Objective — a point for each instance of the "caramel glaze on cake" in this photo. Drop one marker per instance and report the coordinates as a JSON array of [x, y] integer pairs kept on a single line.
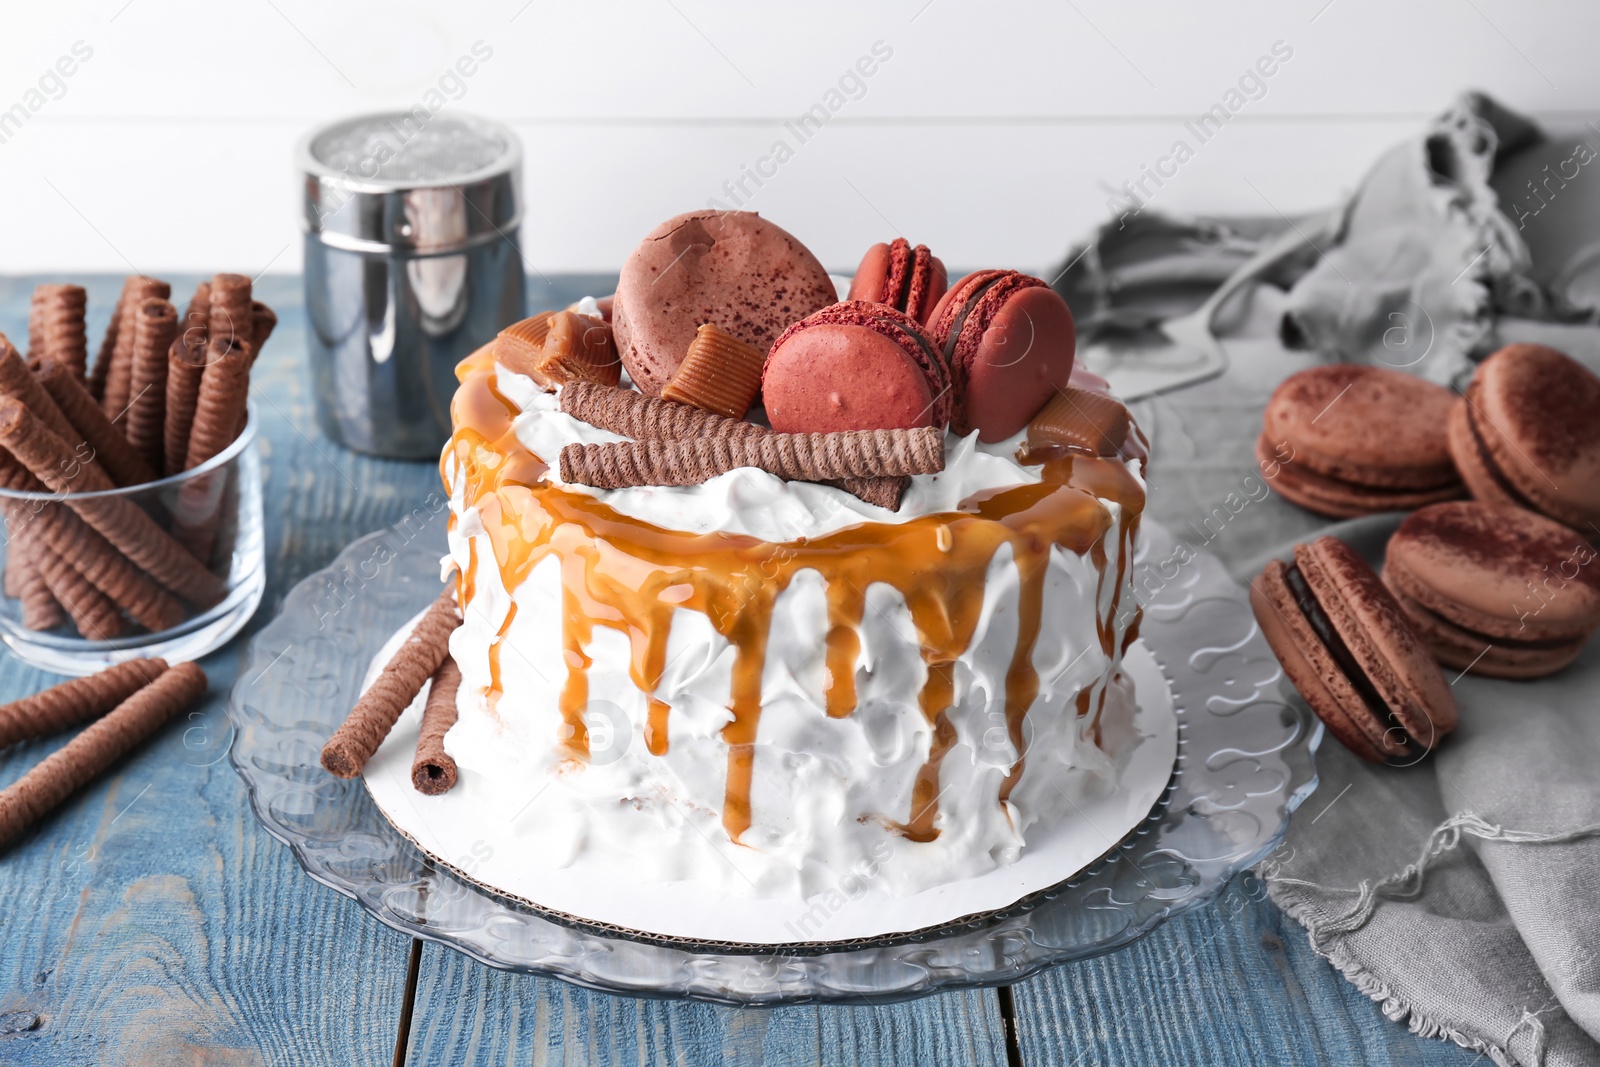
[[630, 575]]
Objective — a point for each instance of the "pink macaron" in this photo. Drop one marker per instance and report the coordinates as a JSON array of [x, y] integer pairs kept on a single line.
[[1009, 341], [907, 279], [856, 365]]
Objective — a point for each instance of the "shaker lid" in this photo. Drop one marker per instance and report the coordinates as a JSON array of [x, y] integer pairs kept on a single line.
[[411, 182]]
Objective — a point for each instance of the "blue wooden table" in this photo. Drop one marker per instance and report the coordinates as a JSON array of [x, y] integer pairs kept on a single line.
[[152, 921]]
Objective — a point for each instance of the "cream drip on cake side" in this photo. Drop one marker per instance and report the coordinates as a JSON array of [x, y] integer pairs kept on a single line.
[[768, 686]]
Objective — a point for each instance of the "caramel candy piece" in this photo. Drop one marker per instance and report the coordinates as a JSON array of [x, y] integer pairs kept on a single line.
[[519, 346], [720, 373], [577, 348], [1091, 422]]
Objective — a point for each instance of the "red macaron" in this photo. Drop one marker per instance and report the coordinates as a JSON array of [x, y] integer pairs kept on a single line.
[[1009, 341], [1351, 651], [1494, 589], [856, 365], [1527, 433], [1348, 439], [907, 279]]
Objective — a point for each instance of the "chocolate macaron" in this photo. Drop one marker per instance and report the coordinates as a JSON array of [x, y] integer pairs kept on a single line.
[[1009, 341], [857, 365], [1527, 433], [1495, 589], [907, 279], [1348, 439], [1351, 651], [730, 268]]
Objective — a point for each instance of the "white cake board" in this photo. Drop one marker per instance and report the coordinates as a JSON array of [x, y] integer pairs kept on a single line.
[[457, 825]]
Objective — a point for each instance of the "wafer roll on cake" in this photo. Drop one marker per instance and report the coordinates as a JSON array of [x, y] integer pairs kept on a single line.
[[434, 771]]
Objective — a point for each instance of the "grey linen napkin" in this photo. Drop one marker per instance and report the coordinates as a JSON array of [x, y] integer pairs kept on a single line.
[[1494, 944]]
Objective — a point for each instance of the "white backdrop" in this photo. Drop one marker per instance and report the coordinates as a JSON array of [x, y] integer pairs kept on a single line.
[[994, 133]]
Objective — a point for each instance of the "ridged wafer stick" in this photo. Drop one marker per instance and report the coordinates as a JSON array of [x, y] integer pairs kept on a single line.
[[40, 608], [434, 771], [195, 326], [224, 388], [632, 414], [92, 612], [155, 324], [91, 555], [118, 379], [799, 457], [231, 316], [263, 320], [111, 449], [117, 519], [100, 745], [16, 380], [186, 364], [73, 703], [374, 715], [56, 327]]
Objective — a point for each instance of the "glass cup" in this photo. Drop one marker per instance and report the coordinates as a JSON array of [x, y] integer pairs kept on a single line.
[[213, 513]]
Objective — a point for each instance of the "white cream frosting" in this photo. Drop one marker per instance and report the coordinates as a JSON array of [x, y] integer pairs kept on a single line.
[[824, 788]]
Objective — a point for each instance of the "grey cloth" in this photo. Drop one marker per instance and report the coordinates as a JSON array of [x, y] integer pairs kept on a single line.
[[1450, 232], [1494, 943]]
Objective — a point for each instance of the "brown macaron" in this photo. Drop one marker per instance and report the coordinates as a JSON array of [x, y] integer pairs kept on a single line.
[[1360, 440], [1349, 648], [910, 280], [1527, 433], [1494, 589], [733, 269]]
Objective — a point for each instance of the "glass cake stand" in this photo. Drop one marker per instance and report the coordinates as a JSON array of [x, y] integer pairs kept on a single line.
[[1245, 763]]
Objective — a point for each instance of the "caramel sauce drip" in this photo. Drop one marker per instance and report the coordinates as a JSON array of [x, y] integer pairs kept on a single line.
[[630, 576]]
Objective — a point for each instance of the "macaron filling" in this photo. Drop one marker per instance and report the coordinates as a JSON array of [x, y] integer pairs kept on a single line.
[[1328, 634]]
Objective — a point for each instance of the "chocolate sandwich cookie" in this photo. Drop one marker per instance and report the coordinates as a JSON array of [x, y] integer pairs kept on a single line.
[[1527, 433], [857, 365], [908, 279], [1359, 440], [1495, 589], [1009, 340], [1349, 648], [730, 268]]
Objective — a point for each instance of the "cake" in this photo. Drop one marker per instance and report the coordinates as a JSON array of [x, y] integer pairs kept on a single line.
[[772, 686]]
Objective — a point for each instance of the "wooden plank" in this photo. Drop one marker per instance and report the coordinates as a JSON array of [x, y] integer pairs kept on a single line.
[[151, 919], [1235, 983], [468, 1013]]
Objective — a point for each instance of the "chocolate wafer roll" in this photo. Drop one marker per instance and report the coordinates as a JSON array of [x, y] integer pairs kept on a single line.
[[117, 518], [57, 314], [100, 745], [40, 608], [805, 457], [434, 770], [61, 707], [646, 418], [374, 715], [118, 379], [186, 363], [111, 450], [195, 326], [231, 314], [93, 614], [155, 325], [17, 381], [263, 320], [220, 403]]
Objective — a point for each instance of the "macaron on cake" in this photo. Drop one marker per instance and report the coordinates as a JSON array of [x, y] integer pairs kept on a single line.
[[1348, 439], [1349, 648], [1494, 589], [732, 269], [1527, 433], [857, 365], [1009, 341], [907, 279]]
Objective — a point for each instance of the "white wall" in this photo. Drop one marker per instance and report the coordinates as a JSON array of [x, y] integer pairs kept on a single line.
[[993, 133]]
